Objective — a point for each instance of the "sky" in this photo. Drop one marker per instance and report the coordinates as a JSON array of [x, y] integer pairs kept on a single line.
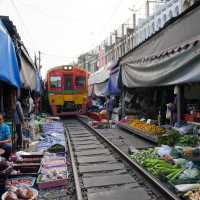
[[64, 29]]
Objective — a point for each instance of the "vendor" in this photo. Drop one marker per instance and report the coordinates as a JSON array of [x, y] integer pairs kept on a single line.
[[5, 137]]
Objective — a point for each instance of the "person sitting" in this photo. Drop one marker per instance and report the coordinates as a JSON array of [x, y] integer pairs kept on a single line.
[[5, 137]]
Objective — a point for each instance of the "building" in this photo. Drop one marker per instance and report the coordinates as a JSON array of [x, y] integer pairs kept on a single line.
[[128, 38]]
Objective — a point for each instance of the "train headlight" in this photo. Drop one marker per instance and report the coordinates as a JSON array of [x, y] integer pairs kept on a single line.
[[67, 67]]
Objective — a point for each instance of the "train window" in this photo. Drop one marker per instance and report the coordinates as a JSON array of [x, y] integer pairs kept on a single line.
[[80, 81], [55, 81], [68, 82]]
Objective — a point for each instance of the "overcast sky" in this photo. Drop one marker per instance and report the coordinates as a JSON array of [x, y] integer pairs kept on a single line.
[[63, 29]]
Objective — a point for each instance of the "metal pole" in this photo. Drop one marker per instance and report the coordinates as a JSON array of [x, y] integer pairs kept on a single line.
[[147, 9], [39, 60], [178, 103], [134, 20]]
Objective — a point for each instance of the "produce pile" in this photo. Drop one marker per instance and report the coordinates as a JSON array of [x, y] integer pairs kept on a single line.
[[157, 167], [173, 137], [53, 172], [28, 181], [193, 195], [20, 193], [150, 129]]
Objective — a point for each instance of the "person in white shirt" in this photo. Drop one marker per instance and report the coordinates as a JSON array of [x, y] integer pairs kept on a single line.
[[31, 105]]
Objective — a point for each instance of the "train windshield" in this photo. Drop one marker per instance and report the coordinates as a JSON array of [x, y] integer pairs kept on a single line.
[[67, 82], [80, 81], [55, 81]]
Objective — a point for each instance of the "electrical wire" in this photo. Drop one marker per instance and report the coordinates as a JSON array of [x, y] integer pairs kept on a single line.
[[115, 10], [59, 56], [24, 24]]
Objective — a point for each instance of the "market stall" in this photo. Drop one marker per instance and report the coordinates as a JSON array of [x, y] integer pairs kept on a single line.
[[167, 64], [38, 173]]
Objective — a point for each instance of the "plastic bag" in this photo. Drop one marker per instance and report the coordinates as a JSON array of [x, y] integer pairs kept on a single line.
[[163, 150]]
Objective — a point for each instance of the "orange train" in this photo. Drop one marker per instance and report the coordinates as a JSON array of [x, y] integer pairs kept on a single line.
[[67, 90]]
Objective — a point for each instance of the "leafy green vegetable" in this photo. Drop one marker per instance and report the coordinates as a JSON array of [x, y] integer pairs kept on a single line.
[[161, 168], [188, 140]]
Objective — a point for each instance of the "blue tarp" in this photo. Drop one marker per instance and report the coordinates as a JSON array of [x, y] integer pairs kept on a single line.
[[9, 70], [113, 87]]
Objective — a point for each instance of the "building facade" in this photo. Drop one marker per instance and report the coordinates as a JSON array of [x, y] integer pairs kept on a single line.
[[130, 38]]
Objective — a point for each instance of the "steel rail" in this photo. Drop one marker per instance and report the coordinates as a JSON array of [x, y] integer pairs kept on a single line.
[[75, 172], [140, 169]]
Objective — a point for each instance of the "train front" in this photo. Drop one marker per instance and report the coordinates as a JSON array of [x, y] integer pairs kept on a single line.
[[67, 90]]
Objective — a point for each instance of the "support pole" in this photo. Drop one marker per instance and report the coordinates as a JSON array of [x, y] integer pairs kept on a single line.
[[178, 93]]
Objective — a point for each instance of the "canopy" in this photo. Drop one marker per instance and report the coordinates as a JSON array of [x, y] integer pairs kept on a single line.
[[27, 73], [169, 57], [38, 83], [113, 88], [100, 89], [99, 77], [90, 90], [9, 70]]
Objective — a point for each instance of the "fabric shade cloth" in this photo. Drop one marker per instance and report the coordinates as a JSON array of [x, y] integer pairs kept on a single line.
[[38, 87], [99, 77], [27, 74], [90, 90], [172, 56], [9, 69], [113, 87], [100, 89]]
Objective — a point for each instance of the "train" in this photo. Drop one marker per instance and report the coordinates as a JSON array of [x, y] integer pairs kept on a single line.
[[67, 90]]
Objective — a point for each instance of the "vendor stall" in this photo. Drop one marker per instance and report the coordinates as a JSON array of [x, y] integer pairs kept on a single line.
[[42, 172]]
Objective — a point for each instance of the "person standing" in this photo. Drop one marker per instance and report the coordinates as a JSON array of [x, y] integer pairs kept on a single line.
[[5, 137], [31, 105], [109, 107], [19, 121]]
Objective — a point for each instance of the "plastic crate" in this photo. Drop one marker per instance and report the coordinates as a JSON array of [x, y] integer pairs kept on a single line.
[[52, 184]]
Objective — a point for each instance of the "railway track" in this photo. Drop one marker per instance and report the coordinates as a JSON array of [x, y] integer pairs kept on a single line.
[[103, 172]]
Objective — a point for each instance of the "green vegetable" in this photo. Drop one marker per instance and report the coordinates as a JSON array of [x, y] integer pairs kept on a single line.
[[142, 155], [169, 138], [161, 168], [188, 140], [57, 148]]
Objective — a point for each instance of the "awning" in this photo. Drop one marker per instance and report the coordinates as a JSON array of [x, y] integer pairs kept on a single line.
[[100, 89], [9, 70], [90, 90], [38, 87], [27, 73], [113, 87], [99, 77], [172, 56]]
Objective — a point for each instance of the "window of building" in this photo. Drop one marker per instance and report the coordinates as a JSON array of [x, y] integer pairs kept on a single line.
[[55, 81], [80, 81], [67, 82]]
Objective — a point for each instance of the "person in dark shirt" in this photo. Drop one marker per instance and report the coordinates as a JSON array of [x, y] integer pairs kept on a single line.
[[5, 137], [19, 122]]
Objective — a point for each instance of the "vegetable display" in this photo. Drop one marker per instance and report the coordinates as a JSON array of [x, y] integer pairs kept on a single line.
[[188, 140], [142, 155], [193, 195], [161, 168], [150, 129]]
